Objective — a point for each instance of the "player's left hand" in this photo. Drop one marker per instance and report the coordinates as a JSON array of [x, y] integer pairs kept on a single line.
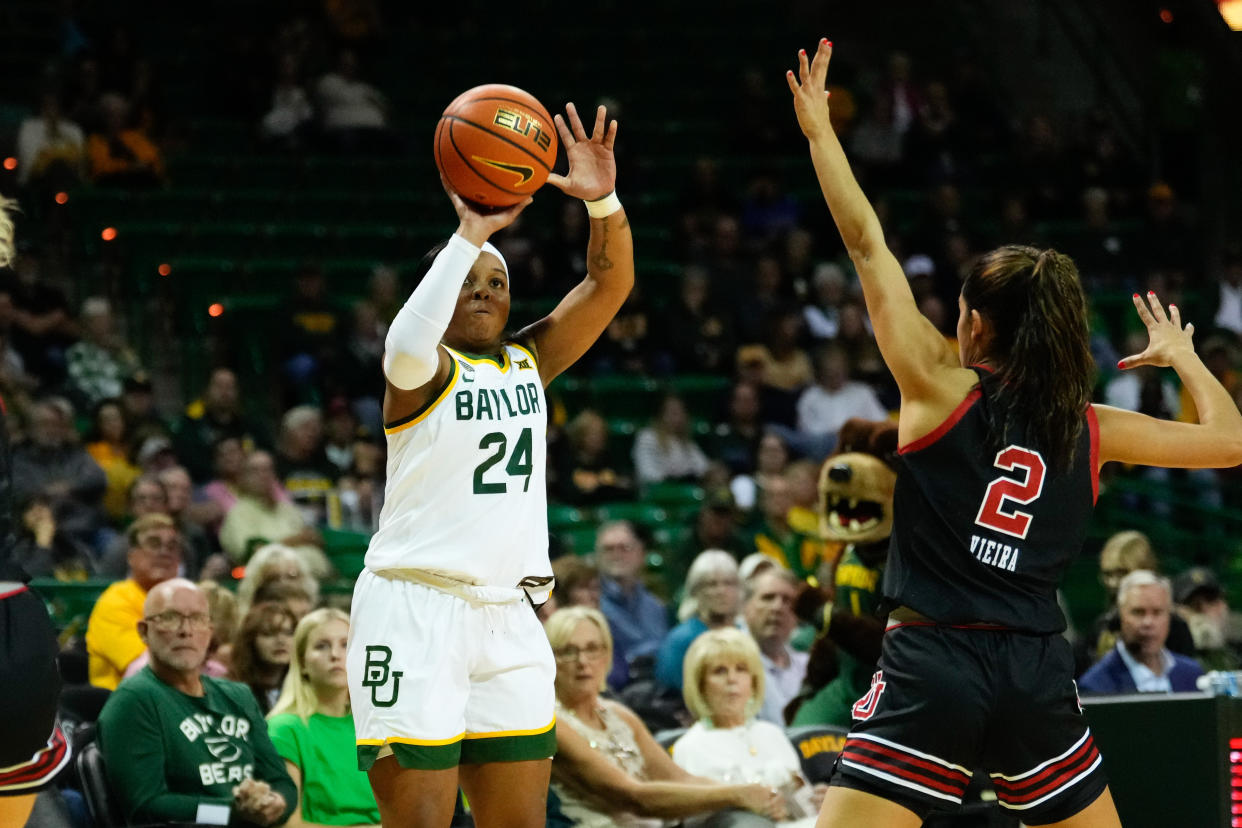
[[810, 91], [592, 165], [1166, 338]]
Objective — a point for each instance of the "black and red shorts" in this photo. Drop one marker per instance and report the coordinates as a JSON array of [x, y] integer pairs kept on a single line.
[[33, 749], [948, 700]]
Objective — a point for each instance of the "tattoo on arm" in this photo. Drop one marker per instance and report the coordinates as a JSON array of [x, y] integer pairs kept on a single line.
[[600, 260]]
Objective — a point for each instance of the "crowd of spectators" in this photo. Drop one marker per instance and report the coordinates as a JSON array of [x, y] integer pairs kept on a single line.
[[112, 486]]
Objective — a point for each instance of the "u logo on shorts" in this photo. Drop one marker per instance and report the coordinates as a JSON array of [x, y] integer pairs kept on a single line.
[[865, 707], [375, 674]]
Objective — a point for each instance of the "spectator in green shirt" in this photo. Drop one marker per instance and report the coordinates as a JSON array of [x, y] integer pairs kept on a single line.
[[313, 730], [180, 746]]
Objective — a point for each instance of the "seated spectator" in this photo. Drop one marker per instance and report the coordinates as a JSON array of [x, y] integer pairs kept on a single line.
[[217, 414], [201, 559], [637, 619], [822, 313], [834, 398], [146, 497], [1123, 553], [225, 620], [109, 446], [311, 337], [608, 769], [142, 420], [46, 552], [577, 582], [1140, 662], [665, 449], [180, 746], [353, 114], [715, 527], [802, 553], [779, 365], [112, 637], [803, 479], [222, 607], [221, 491], [51, 149], [735, 440], [313, 730], [272, 564], [122, 155], [724, 691], [262, 651], [586, 472], [771, 460], [302, 465], [100, 362], [767, 606], [52, 463], [1202, 604], [258, 518], [284, 125], [713, 599], [291, 596], [340, 435], [699, 327]]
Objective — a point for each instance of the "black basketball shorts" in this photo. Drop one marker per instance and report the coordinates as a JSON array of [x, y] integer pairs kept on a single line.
[[33, 749], [948, 700]]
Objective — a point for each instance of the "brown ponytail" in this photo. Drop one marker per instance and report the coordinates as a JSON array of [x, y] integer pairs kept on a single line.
[[1040, 347]]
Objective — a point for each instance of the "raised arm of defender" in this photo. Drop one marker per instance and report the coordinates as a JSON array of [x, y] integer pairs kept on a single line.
[[913, 349]]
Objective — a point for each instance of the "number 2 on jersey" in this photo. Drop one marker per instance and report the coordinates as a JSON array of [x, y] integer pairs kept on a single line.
[[519, 464], [994, 512]]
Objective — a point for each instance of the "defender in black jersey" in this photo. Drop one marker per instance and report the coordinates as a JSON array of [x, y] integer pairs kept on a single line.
[[32, 747], [999, 473]]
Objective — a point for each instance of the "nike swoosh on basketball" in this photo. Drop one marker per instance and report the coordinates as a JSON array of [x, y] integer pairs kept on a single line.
[[523, 172]]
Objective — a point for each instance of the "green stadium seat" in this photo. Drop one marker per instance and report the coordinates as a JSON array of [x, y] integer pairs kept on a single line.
[[69, 602], [675, 495], [644, 514], [565, 517], [579, 541], [346, 549]]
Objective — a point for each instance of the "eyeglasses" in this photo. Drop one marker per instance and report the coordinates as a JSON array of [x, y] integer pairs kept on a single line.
[[155, 545], [171, 621], [591, 652]]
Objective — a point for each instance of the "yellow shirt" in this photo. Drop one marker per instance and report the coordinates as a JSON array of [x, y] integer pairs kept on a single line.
[[112, 640]]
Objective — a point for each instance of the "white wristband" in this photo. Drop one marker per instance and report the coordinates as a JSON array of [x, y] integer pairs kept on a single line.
[[603, 207]]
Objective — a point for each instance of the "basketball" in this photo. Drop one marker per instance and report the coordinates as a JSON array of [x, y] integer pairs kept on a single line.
[[495, 145]]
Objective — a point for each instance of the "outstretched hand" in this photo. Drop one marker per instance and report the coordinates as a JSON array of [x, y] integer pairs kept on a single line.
[[810, 92], [1166, 338], [592, 165]]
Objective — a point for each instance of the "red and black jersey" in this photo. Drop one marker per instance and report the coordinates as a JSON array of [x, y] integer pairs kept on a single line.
[[983, 531]]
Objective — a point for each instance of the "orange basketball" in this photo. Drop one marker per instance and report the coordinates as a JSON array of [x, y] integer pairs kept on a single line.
[[495, 145]]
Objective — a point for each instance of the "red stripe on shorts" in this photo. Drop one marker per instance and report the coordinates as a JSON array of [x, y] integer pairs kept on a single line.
[[910, 776], [953, 774], [1016, 786]]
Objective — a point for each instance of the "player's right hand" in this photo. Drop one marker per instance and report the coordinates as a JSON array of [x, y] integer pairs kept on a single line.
[[810, 92], [477, 226]]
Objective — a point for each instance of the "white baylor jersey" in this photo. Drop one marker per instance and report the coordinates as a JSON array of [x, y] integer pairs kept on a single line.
[[466, 493]]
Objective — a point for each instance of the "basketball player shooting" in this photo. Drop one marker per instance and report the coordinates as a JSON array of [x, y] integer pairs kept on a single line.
[[451, 675]]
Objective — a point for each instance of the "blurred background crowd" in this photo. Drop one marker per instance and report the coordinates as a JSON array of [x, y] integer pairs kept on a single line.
[[221, 211]]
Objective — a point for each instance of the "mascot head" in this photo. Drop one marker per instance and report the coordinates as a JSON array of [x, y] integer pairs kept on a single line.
[[856, 484]]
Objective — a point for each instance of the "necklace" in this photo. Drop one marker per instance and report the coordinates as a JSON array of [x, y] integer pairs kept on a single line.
[[623, 755]]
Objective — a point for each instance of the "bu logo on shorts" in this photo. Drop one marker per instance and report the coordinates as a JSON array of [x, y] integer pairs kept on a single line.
[[375, 674], [864, 707]]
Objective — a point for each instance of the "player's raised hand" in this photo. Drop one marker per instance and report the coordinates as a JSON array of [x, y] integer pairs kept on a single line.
[[1166, 338], [809, 90], [592, 166], [478, 225]]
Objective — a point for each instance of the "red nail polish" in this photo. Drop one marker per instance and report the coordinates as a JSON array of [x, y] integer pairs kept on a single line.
[[829, 44], [802, 51], [1121, 363], [1136, 296]]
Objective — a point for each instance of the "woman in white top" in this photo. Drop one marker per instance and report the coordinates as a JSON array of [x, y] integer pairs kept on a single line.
[[665, 450], [723, 688], [609, 770]]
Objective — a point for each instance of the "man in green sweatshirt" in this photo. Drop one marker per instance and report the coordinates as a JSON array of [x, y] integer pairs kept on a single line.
[[180, 746]]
